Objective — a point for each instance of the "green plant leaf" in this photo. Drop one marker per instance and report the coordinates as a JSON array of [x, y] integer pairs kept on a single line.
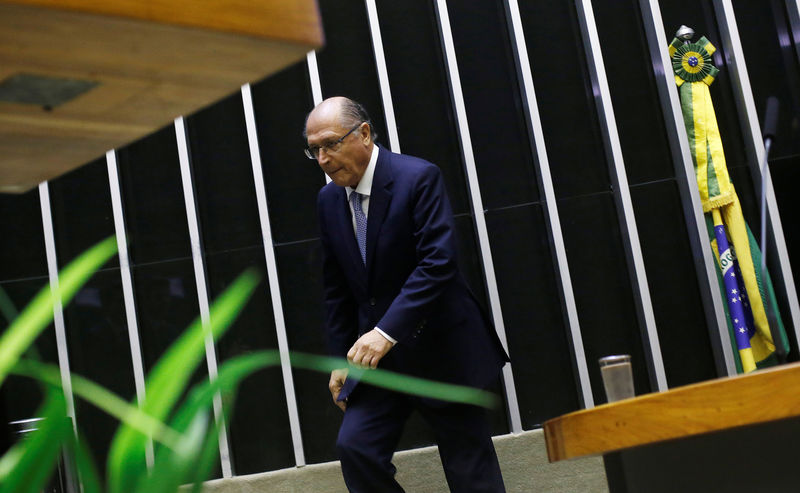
[[200, 400], [87, 471], [173, 466], [101, 398], [167, 380], [229, 375], [10, 460], [205, 462], [233, 371], [398, 381], [7, 307], [39, 312], [193, 470], [42, 449], [241, 366]]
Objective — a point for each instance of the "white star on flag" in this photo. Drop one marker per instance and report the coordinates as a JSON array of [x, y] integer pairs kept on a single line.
[[741, 330], [733, 291]]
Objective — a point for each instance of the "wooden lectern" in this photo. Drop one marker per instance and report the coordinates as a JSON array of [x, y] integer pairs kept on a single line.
[[732, 434]]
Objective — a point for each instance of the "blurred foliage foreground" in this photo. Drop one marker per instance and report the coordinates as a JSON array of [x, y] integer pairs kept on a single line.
[[181, 438]]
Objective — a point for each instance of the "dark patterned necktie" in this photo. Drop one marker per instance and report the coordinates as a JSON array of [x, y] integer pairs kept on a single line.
[[361, 225]]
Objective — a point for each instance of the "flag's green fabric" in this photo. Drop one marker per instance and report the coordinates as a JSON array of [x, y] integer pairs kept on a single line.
[[747, 295]]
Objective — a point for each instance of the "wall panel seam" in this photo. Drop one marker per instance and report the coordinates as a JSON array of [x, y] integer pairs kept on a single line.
[[127, 289], [622, 197], [477, 206], [793, 9], [202, 288], [556, 239], [383, 76], [58, 315], [272, 276]]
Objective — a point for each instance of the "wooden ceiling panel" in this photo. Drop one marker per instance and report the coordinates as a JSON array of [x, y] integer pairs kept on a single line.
[[146, 73]]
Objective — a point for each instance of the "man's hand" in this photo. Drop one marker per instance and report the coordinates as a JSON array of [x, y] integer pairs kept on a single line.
[[335, 385], [369, 349]]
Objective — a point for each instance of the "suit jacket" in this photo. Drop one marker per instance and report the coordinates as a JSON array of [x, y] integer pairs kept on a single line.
[[410, 286]]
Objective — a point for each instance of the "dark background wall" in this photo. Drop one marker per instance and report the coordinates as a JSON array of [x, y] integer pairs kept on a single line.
[[514, 208]]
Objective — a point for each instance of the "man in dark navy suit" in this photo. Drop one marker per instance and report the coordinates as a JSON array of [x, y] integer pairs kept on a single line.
[[395, 298]]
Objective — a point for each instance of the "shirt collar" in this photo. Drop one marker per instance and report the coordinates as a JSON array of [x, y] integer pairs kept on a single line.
[[364, 186]]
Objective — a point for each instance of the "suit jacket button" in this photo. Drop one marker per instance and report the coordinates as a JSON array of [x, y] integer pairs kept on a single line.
[[372, 302]]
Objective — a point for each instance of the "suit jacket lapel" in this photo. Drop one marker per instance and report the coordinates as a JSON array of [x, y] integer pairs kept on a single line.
[[379, 199], [348, 235]]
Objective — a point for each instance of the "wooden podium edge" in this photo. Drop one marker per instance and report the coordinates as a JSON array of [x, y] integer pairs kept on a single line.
[[296, 21], [762, 396]]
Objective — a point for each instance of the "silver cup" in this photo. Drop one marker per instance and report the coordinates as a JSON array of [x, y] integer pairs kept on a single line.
[[617, 377]]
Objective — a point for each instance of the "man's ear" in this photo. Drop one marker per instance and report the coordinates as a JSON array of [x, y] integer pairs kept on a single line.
[[366, 133]]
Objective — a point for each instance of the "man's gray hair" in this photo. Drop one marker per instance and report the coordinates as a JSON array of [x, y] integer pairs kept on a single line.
[[352, 113]]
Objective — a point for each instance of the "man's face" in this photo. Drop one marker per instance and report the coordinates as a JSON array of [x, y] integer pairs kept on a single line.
[[346, 162]]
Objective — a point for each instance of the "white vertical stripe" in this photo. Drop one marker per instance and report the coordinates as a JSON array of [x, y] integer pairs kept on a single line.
[[793, 8], [313, 73], [272, 275], [687, 184], [622, 197], [58, 322], [383, 76], [127, 287], [202, 290], [316, 86], [754, 144], [477, 207], [58, 311], [546, 184]]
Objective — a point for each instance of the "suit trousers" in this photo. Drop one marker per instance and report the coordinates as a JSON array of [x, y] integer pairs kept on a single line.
[[372, 426]]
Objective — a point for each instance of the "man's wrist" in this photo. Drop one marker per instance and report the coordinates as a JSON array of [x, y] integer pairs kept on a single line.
[[387, 336]]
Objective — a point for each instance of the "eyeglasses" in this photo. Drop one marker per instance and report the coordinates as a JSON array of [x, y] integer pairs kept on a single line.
[[312, 152]]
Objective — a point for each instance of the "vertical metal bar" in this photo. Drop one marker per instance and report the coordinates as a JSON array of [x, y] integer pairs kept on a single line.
[[687, 185], [754, 146], [622, 197], [546, 186], [477, 207], [316, 85], [127, 288], [58, 318], [313, 73], [202, 289], [272, 275], [793, 9], [383, 76], [58, 310]]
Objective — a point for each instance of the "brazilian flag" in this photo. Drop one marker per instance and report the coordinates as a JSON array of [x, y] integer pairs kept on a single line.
[[747, 294]]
